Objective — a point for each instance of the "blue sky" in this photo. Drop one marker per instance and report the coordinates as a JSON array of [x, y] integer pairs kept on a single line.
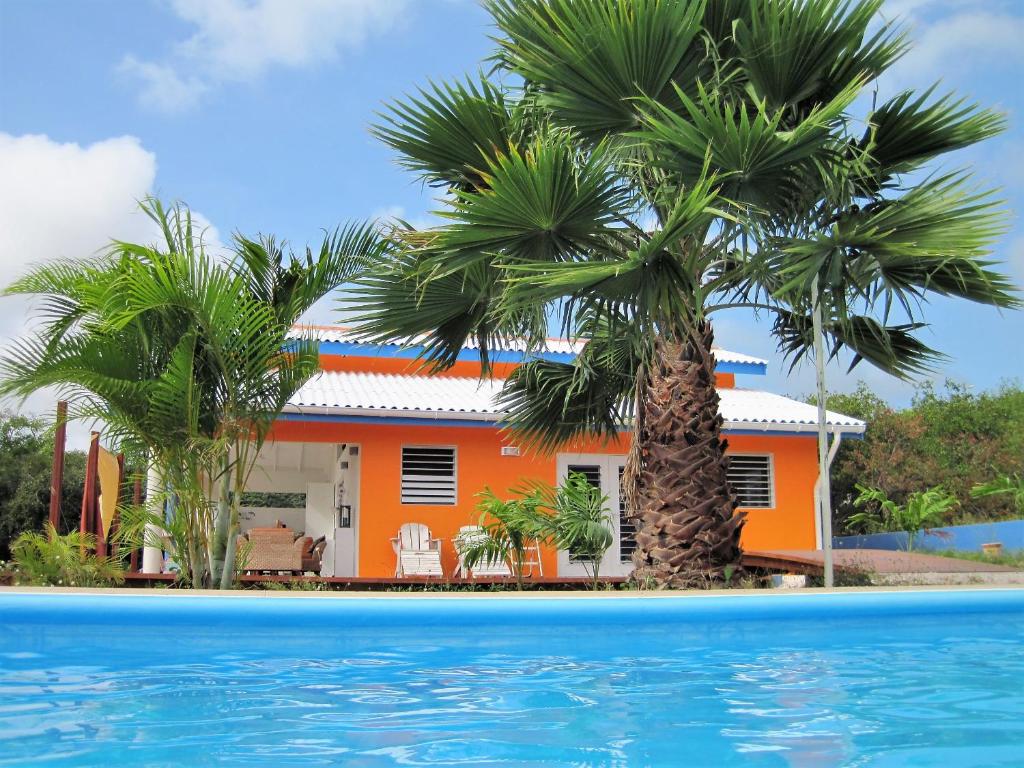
[[256, 112]]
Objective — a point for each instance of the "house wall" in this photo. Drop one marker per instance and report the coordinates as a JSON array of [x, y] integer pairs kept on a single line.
[[790, 525]]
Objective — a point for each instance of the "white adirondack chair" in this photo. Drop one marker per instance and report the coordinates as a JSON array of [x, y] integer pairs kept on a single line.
[[533, 560], [467, 534], [416, 553]]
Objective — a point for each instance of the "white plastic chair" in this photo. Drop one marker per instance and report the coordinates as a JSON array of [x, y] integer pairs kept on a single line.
[[416, 553], [468, 534], [533, 560]]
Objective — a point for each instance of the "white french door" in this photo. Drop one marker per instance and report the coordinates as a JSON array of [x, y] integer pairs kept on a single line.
[[604, 472]]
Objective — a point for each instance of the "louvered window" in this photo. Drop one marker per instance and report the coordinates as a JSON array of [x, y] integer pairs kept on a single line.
[[627, 528], [428, 475], [751, 479]]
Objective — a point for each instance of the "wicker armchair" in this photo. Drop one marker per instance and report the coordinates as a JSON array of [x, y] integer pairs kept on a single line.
[[275, 549], [312, 553]]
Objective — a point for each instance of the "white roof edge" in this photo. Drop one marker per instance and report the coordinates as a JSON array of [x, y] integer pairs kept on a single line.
[[760, 426], [395, 413], [492, 417]]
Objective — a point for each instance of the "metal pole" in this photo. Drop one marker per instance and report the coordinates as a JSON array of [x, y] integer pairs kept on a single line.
[[825, 497], [57, 474]]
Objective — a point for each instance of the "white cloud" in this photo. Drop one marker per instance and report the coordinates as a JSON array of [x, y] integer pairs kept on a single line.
[[240, 40], [161, 88], [956, 39], [65, 200]]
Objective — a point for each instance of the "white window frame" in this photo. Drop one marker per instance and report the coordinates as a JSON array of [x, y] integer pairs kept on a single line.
[[455, 475], [771, 477]]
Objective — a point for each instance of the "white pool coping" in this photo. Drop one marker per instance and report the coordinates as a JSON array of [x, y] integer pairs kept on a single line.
[[509, 595]]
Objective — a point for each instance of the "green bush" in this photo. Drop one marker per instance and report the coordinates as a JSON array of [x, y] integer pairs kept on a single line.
[[49, 560], [955, 438], [923, 509]]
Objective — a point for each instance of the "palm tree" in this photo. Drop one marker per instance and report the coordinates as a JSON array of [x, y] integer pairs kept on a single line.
[[635, 167], [923, 509], [187, 359], [507, 530]]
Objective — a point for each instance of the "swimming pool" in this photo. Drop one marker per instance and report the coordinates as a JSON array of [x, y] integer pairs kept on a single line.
[[930, 678]]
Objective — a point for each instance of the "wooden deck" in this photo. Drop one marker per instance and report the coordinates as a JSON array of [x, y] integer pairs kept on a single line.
[[799, 561], [383, 583], [880, 561]]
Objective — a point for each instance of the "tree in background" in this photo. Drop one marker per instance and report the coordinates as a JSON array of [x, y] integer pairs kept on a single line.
[[26, 457], [957, 439], [640, 165]]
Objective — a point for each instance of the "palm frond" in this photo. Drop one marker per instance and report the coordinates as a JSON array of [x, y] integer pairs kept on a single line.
[[891, 348], [448, 132], [909, 130], [803, 54], [758, 160], [591, 61]]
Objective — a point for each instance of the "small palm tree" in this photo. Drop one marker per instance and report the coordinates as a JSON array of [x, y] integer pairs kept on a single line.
[[574, 517], [581, 523], [923, 509], [186, 358], [508, 529], [644, 165]]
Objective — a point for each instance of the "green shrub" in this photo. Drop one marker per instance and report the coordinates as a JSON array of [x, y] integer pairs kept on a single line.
[[923, 509], [47, 559]]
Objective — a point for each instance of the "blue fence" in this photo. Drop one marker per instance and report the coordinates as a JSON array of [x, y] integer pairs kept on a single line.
[[964, 538]]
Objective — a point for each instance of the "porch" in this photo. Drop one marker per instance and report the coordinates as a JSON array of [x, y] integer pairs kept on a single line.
[[341, 493]]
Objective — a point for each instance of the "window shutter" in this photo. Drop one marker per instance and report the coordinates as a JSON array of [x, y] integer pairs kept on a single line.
[[428, 475], [627, 527], [750, 477]]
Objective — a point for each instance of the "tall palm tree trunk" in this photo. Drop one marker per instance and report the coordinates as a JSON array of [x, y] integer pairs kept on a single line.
[[687, 527]]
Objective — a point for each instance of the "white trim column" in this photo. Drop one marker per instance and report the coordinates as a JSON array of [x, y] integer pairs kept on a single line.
[[152, 557]]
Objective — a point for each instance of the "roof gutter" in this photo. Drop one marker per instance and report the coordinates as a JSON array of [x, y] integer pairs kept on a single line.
[[481, 416], [832, 451], [408, 413], [783, 426]]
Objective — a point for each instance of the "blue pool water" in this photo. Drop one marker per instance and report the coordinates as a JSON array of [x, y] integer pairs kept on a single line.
[[800, 680]]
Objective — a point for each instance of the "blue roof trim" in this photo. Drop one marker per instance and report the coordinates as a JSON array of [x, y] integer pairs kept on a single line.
[[495, 423], [756, 369], [355, 349]]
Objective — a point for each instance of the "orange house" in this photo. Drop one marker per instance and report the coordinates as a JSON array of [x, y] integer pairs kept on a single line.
[[374, 443]]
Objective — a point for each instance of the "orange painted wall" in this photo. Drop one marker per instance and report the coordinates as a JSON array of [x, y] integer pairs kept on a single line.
[[480, 463], [462, 368], [406, 367], [790, 524]]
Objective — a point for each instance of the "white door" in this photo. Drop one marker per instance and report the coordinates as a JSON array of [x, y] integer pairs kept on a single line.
[[346, 535], [604, 472], [322, 520], [332, 510]]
